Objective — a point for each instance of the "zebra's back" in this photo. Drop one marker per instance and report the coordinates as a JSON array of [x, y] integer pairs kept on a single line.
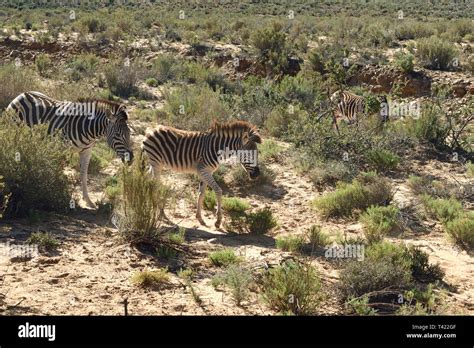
[[351, 105], [36, 108], [33, 107], [174, 148]]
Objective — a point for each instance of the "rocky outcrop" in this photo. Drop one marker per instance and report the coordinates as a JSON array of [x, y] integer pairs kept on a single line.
[[382, 79]]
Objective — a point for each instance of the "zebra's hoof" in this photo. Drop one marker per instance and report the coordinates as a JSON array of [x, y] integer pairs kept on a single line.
[[90, 204], [201, 221]]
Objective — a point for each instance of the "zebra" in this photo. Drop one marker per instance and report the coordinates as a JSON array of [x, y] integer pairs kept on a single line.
[[200, 153], [81, 123], [351, 106]]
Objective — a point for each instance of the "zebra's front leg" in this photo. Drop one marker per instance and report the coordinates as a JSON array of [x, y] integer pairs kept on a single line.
[[202, 193], [206, 177], [84, 159], [155, 172]]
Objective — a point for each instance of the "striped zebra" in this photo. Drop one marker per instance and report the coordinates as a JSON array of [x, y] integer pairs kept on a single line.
[[201, 153], [82, 123], [351, 106]]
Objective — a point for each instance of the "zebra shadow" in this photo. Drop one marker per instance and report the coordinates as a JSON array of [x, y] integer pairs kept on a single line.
[[230, 239], [268, 190]]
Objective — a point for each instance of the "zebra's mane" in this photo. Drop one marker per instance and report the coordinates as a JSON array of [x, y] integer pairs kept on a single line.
[[236, 126], [103, 104]]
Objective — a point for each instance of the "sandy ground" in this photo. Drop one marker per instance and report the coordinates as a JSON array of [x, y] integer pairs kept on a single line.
[[91, 271]]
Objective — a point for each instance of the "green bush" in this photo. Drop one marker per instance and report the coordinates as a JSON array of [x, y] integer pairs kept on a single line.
[[113, 190], [234, 205], [302, 89], [194, 107], [293, 244], [435, 53], [385, 266], [142, 200], [261, 221], [272, 48], [383, 160], [409, 30], [317, 237], [177, 237], [210, 199], [329, 173], [14, 81], [93, 24], [122, 78], [258, 100], [419, 184], [421, 269], [430, 126], [83, 65], [404, 61], [238, 279], [293, 287], [32, 164], [152, 82], [442, 209], [44, 240], [224, 257], [369, 189], [43, 64], [461, 230], [470, 169], [280, 118], [379, 221], [418, 302], [269, 151], [165, 68], [151, 279]]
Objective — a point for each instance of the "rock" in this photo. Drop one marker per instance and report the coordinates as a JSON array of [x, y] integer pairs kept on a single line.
[[383, 79]]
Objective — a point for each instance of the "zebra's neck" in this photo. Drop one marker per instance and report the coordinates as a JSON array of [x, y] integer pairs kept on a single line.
[[223, 142]]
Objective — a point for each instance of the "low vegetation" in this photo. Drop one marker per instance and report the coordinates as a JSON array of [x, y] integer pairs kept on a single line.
[[224, 258], [143, 199], [44, 240], [379, 221], [28, 150], [364, 191], [154, 279], [293, 288]]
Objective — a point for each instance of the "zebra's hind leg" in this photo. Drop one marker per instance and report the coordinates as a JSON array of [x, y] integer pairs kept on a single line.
[[155, 171], [206, 177], [202, 192], [84, 159]]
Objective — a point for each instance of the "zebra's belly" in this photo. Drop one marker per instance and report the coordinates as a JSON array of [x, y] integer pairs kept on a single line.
[[190, 169]]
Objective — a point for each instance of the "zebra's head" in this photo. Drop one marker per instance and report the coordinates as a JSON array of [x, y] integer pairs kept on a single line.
[[118, 134], [250, 139]]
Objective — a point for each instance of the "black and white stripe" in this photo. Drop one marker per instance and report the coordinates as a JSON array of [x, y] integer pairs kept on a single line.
[[198, 152], [82, 126], [351, 106]]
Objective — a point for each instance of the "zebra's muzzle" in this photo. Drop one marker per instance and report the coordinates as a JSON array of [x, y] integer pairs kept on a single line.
[[127, 157], [254, 173]]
